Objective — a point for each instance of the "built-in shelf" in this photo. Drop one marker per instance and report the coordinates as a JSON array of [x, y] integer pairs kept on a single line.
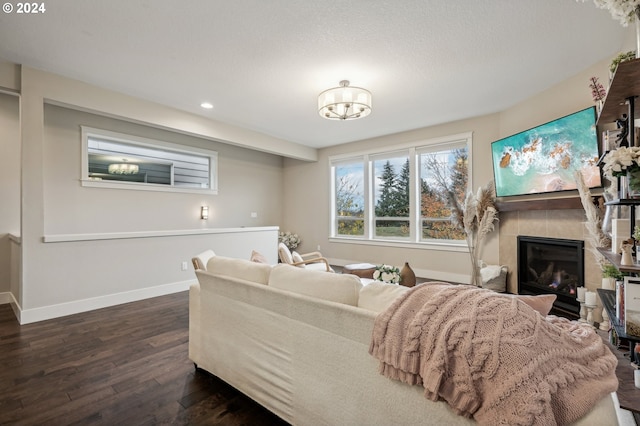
[[546, 204], [615, 258], [625, 85]]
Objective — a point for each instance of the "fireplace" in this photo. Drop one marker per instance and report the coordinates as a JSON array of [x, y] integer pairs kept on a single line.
[[552, 265]]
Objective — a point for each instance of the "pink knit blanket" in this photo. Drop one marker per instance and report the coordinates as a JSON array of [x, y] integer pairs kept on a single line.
[[492, 357]]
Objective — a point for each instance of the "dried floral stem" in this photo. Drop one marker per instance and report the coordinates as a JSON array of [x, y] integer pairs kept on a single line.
[[477, 217], [594, 221]]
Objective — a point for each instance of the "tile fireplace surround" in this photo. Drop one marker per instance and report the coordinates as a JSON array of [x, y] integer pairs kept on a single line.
[[562, 223]]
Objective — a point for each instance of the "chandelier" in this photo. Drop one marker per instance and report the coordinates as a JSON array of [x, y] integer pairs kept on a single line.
[[344, 102], [123, 169]]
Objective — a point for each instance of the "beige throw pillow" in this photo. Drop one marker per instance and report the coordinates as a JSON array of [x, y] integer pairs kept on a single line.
[[377, 296], [541, 303], [258, 257]]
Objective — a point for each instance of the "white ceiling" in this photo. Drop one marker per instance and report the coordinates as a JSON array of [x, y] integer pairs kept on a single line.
[[262, 63]]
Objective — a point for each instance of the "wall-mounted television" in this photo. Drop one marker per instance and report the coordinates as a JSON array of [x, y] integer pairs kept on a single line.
[[544, 159]]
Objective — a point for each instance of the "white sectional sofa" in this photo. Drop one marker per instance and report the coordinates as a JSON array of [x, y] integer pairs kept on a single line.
[[297, 342]]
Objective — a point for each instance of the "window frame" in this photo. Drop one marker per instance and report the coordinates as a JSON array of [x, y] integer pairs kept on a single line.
[[414, 150], [107, 135]]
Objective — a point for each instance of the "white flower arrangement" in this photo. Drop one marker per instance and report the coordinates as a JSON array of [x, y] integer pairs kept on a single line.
[[622, 160], [289, 239], [625, 11], [387, 273]]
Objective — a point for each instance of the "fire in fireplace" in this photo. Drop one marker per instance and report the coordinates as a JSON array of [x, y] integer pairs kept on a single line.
[[552, 265]]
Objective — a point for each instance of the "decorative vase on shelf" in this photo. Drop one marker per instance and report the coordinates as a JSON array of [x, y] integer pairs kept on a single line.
[[623, 187], [407, 276], [626, 258]]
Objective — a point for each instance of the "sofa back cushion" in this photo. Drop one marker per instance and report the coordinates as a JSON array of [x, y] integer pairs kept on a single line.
[[377, 296], [341, 288], [240, 268]]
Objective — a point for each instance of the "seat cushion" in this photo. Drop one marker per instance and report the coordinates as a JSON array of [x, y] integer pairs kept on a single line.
[[341, 288]]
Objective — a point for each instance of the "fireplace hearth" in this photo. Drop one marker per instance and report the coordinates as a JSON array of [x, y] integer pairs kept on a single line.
[[552, 266]]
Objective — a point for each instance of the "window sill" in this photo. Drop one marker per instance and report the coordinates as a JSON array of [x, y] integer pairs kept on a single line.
[[454, 247], [145, 187]]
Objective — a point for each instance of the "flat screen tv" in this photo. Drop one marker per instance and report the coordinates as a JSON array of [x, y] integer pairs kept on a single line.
[[544, 159]]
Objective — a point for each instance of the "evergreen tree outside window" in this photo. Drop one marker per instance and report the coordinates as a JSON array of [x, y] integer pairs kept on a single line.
[[402, 195], [392, 204]]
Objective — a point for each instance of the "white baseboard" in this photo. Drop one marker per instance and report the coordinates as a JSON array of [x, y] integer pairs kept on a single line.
[[27, 316]]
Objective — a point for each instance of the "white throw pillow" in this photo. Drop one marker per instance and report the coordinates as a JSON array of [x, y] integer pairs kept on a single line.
[[377, 296], [297, 258], [284, 253], [341, 288], [240, 268]]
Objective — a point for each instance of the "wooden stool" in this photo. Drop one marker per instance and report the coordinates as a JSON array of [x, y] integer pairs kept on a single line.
[[362, 270]]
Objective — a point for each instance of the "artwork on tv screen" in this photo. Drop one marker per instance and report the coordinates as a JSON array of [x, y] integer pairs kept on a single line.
[[545, 158]]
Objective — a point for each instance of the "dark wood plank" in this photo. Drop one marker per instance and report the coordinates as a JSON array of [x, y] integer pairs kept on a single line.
[[127, 364]]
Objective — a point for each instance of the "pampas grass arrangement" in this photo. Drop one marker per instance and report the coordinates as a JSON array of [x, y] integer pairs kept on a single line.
[[594, 220], [477, 217]]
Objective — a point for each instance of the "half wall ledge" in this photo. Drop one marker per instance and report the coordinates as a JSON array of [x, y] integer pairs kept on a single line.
[[60, 238]]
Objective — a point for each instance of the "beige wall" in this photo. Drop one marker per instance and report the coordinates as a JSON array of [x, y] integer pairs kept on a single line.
[[308, 193], [90, 268], [249, 181], [9, 183], [291, 193]]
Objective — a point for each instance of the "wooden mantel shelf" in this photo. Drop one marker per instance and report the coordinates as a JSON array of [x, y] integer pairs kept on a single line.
[[546, 204]]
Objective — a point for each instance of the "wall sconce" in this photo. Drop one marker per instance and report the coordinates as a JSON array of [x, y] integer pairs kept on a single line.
[[204, 212]]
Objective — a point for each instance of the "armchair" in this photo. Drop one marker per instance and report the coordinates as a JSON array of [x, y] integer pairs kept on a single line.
[[313, 260]]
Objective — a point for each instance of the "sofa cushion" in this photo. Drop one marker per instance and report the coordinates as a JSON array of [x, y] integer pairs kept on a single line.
[[541, 303], [377, 296], [339, 288], [240, 268]]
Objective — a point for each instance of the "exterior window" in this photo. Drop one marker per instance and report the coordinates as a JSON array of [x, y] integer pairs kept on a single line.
[[443, 177], [121, 161], [391, 197], [402, 196], [349, 202]]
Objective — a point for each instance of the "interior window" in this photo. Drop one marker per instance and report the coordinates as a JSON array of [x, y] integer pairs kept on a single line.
[[130, 162]]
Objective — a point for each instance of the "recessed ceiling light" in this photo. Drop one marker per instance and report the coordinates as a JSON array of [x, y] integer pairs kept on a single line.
[[206, 105]]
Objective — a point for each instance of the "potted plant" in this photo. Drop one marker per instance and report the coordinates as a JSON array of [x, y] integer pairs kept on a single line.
[[610, 274], [627, 56]]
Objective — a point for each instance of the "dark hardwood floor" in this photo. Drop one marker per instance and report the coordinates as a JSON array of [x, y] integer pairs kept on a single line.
[[124, 365]]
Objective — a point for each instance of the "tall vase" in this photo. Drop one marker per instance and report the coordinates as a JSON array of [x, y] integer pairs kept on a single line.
[[623, 187], [407, 276]]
